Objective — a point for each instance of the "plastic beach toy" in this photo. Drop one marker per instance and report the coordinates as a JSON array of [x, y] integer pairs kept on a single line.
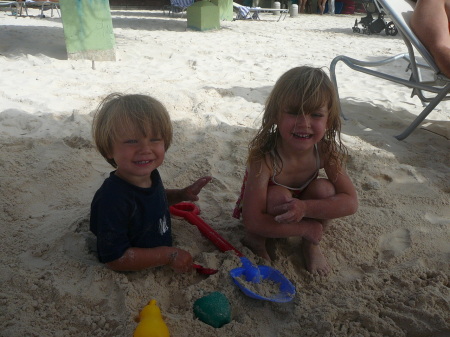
[[251, 273], [213, 309], [151, 323], [286, 290], [203, 270]]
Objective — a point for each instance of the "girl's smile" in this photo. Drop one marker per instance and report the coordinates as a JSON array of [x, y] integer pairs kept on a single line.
[[309, 128], [301, 135]]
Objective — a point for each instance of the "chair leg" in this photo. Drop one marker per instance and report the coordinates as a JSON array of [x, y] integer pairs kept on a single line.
[[23, 6], [425, 112], [334, 81], [55, 6], [15, 11]]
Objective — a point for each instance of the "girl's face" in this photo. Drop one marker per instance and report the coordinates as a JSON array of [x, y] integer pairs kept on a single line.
[[303, 131], [136, 156]]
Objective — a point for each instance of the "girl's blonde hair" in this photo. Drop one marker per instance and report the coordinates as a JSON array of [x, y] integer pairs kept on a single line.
[[300, 90], [130, 113]]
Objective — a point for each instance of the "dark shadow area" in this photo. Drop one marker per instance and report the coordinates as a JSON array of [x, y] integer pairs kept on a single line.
[[35, 40], [141, 13], [377, 125], [151, 24], [56, 251]]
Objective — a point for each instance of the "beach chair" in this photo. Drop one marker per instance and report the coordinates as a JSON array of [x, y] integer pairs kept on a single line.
[[178, 6], [245, 12], [42, 5], [14, 6], [430, 92]]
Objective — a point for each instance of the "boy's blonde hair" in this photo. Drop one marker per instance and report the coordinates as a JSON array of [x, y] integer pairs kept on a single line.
[[131, 113], [300, 90]]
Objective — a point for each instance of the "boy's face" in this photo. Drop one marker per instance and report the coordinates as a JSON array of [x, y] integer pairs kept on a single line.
[[136, 156]]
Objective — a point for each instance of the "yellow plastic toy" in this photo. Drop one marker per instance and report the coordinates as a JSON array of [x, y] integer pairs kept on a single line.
[[151, 323]]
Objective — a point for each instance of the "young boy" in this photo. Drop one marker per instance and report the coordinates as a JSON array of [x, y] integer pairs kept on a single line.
[[130, 212]]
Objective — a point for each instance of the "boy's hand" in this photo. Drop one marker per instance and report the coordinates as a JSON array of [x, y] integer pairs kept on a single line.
[[191, 192], [293, 210], [180, 261]]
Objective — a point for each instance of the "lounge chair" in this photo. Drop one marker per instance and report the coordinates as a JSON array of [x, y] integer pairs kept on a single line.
[[430, 92], [14, 6], [245, 12], [178, 6], [42, 5]]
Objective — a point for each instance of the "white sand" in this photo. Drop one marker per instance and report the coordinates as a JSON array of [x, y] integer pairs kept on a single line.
[[390, 260]]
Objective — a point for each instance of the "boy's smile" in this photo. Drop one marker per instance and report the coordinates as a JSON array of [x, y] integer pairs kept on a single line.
[[137, 156]]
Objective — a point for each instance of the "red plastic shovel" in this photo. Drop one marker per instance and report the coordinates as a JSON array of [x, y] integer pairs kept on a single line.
[[190, 212], [203, 270]]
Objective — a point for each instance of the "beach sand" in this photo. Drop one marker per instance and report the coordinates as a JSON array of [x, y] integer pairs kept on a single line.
[[390, 260]]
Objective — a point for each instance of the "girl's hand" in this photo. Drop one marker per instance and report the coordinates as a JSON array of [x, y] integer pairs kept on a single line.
[[180, 261], [191, 192], [293, 210]]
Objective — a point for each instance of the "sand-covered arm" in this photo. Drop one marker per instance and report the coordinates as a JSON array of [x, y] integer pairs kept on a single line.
[[140, 258]]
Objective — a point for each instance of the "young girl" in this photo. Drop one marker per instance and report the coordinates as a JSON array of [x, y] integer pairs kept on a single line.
[[130, 211], [282, 195]]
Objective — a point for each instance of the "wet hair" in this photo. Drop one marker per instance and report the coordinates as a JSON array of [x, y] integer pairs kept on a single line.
[[118, 113], [299, 91]]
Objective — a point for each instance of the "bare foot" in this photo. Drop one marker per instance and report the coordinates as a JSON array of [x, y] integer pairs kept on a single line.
[[316, 263], [257, 245]]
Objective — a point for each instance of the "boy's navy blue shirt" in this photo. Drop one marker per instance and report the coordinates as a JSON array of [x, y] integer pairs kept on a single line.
[[124, 216]]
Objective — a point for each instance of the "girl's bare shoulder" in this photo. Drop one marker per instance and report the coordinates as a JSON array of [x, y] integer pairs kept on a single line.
[[261, 168]]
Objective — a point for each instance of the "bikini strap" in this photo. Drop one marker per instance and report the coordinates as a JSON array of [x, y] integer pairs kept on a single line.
[[316, 152]]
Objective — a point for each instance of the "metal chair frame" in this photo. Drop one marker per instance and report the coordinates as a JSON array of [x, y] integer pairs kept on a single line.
[[424, 90]]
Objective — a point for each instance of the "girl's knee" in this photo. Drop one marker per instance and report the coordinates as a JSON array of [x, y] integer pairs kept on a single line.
[[319, 189], [276, 195]]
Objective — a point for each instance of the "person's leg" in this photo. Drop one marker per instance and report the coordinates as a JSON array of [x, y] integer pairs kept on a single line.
[[430, 22], [322, 6], [302, 6], [310, 229], [316, 263], [331, 7], [257, 243]]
